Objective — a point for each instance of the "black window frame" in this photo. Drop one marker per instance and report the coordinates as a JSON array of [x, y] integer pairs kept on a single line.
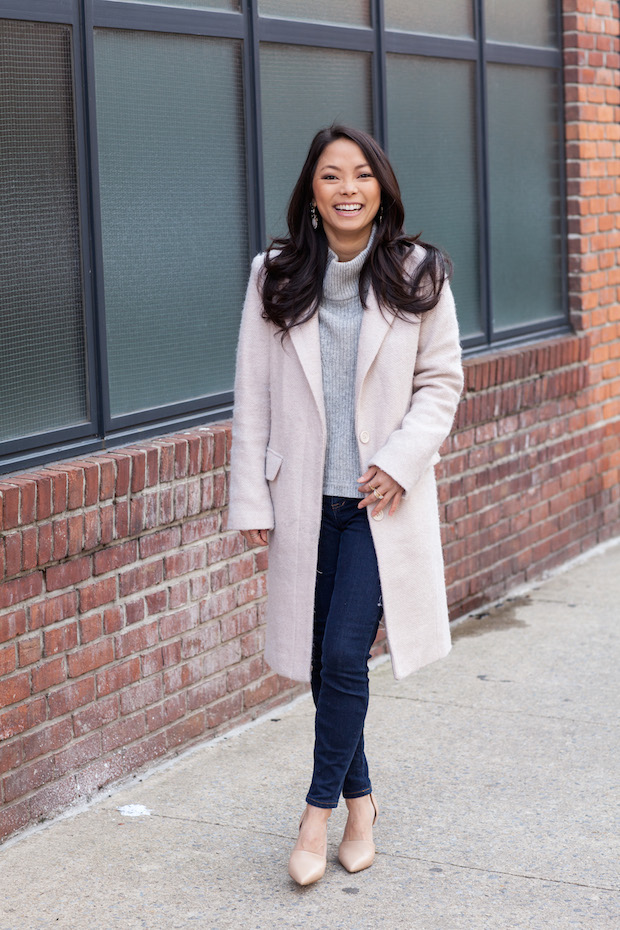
[[102, 430]]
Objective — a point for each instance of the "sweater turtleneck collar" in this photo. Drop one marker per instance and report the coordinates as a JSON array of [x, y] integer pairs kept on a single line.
[[341, 280]]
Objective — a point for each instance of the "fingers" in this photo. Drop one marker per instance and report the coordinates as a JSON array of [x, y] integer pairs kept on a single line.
[[256, 537], [368, 475], [395, 502], [380, 490]]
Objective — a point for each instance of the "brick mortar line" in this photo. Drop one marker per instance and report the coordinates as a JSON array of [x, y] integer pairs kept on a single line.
[[135, 715], [140, 624], [115, 543]]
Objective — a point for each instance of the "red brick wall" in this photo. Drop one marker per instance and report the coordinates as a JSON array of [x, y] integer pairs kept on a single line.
[[531, 474], [131, 623]]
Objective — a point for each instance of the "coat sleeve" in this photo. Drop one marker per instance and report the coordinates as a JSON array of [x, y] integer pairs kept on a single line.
[[250, 506], [437, 386]]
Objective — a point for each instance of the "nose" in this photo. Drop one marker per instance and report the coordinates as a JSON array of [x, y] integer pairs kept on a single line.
[[348, 185]]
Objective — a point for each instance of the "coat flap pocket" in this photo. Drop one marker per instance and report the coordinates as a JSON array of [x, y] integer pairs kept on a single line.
[[273, 460]]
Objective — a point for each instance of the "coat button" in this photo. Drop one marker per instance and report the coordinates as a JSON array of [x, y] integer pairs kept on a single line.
[[364, 436], [378, 516]]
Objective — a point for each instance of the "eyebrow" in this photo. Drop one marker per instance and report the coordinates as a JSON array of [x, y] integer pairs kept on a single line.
[[337, 168]]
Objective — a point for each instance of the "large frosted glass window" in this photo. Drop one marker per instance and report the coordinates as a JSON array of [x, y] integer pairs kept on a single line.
[[174, 215], [528, 22], [344, 12], [525, 231], [126, 225], [42, 346], [303, 90], [432, 148], [450, 17]]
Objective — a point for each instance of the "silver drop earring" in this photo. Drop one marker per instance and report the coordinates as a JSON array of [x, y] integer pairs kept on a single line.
[[314, 216], [380, 217]]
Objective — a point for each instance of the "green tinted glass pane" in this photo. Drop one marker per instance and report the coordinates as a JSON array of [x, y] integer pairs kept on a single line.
[[448, 18], [432, 148], [42, 345], [524, 195], [303, 90], [230, 5], [174, 216], [528, 22], [348, 12]]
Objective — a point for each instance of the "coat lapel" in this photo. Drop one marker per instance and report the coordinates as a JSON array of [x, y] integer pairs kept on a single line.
[[305, 339], [375, 327]]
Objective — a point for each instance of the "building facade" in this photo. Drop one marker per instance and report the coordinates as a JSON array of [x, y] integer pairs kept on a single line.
[[148, 149]]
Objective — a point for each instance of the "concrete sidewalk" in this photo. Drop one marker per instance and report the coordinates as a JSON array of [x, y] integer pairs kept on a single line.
[[494, 772]]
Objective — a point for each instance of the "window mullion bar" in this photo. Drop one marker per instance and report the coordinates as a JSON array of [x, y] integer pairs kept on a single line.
[[502, 53], [181, 20], [96, 258], [253, 127], [322, 35], [409, 43], [561, 110], [482, 144], [46, 11], [86, 257], [379, 80]]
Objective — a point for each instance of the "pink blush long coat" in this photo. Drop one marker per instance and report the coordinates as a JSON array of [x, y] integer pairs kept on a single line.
[[408, 382]]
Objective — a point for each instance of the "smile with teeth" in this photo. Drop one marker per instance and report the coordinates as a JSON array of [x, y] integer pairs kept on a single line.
[[348, 207]]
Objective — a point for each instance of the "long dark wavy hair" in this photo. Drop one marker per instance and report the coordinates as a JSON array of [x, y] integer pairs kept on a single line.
[[292, 284]]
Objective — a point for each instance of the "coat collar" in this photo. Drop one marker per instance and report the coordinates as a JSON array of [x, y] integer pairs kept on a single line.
[[306, 341]]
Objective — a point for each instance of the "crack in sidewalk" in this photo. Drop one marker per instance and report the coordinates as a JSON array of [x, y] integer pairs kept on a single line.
[[479, 868], [495, 710], [395, 855]]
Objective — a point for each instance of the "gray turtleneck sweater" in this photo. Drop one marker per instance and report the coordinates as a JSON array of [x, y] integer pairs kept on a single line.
[[340, 320]]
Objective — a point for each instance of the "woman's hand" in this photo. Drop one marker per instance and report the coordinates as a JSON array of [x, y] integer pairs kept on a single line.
[[256, 537], [380, 489]]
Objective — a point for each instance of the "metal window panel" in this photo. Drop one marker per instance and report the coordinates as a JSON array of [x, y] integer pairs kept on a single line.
[[67, 12], [174, 276]]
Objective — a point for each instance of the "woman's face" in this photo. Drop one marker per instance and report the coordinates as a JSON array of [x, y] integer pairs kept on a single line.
[[347, 194]]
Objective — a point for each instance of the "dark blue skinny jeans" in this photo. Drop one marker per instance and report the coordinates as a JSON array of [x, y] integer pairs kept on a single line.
[[347, 612]]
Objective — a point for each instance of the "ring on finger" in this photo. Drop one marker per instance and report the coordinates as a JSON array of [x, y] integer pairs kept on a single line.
[[377, 494]]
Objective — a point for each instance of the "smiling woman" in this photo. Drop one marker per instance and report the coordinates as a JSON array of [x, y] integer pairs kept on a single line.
[[348, 377], [347, 195], [295, 265]]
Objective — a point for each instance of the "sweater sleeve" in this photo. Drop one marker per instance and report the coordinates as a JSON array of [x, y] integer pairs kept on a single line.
[[437, 386], [250, 505]]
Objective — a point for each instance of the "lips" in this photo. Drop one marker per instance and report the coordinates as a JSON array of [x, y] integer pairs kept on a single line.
[[349, 208]]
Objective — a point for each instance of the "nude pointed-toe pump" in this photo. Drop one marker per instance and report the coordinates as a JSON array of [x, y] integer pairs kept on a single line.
[[356, 855], [306, 867]]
